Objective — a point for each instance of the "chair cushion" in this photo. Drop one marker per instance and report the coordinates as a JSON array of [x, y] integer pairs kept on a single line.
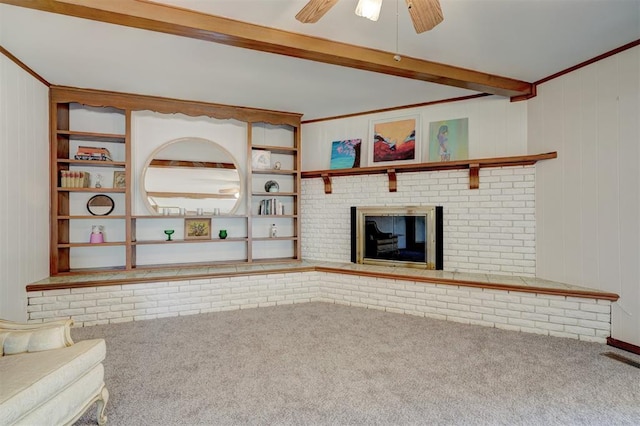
[[30, 379]]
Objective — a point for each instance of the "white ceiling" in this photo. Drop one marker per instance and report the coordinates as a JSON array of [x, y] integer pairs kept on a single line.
[[522, 39]]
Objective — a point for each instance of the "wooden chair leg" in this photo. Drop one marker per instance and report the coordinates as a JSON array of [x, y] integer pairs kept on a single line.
[[102, 405]]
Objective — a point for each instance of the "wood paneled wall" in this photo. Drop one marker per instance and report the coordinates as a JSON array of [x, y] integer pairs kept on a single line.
[[24, 186], [588, 200]]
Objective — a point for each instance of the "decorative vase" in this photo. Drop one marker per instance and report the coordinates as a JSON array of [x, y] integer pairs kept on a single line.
[[222, 234], [97, 236]]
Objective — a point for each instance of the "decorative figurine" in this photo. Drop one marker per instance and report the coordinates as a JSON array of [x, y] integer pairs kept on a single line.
[[97, 234], [222, 234], [277, 165], [274, 231], [98, 180]]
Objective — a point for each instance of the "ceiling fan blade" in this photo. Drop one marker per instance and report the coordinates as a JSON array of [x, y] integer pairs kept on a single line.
[[314, 10], [425, 14]]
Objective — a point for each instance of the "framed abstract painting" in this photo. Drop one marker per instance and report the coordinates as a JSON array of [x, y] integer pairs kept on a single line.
[[449, 140], [394, 141]]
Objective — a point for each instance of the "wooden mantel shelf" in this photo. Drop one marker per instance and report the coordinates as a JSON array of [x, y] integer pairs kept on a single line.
[[472, 165]]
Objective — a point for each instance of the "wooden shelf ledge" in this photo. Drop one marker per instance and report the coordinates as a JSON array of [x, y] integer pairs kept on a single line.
[[473, 166], [289, 265]]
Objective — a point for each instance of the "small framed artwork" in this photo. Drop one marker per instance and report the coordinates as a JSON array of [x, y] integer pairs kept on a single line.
[[345, 154], [449, 140], [260, 159], [197, 229], [394, 141], [119, 179]]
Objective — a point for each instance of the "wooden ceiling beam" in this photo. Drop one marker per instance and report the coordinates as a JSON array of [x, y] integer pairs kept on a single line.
[[172, 20]]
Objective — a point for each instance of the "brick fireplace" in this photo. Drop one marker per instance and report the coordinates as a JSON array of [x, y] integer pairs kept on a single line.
[[488, 230]]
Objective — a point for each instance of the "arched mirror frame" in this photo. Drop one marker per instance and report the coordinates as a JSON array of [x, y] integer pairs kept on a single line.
[[143, 190]]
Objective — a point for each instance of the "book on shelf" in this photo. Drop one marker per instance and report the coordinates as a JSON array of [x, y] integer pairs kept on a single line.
[[74, 179], [271, 206], [92, 153]]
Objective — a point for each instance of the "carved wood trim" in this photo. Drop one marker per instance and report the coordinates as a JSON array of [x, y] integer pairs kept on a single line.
[[127, 101], [474, 176], [327, 183], [393, 181]]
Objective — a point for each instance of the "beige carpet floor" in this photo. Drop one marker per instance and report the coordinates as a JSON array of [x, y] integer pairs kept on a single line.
[[326, 364]]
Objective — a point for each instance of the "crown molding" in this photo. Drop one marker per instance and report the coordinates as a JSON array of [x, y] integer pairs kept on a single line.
[[22, 65]]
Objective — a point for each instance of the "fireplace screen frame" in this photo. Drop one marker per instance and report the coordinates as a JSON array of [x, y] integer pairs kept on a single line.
[[433, 235]]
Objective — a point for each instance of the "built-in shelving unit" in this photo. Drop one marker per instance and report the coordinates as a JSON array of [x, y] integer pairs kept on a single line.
[[104, 119], [282, 142]]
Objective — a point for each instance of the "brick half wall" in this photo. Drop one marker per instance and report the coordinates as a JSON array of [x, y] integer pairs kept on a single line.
[[587, 319]]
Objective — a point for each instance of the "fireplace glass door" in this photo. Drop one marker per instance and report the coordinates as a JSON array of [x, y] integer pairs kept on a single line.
[[406, 237]]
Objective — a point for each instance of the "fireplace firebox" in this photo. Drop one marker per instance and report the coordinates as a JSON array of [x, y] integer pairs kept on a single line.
[[399, 236]]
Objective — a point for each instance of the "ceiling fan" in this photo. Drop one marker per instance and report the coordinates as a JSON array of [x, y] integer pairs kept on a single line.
[[425, 14]]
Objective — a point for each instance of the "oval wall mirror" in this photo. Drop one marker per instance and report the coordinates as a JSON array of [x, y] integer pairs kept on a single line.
[[100, 205], [191, 175]]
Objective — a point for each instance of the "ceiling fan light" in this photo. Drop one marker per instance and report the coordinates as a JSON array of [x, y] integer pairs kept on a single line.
[[369, 9]]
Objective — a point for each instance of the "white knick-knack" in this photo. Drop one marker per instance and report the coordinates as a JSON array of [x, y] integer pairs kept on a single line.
[[274, 231]]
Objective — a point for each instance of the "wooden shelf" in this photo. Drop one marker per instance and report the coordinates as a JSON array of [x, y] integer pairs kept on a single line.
[[92, 163], [277, 260], [177, 216], [95, 190], [275, 216], [273, 172], [275, 239], [274, 194], [276, 149], [174, 241], [90, 136], [72, 245], [472, 165], [92, 217]]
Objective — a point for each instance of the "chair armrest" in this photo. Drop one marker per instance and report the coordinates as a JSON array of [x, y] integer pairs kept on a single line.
[[19, 337]]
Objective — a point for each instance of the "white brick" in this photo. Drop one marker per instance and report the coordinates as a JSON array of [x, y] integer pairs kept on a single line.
[[564, 304], [582, 331], [589, 307], [594, 324], [42, 300]]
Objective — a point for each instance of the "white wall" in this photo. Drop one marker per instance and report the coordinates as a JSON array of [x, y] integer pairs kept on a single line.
[[588, 200], [497, 128], [24, 187]]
